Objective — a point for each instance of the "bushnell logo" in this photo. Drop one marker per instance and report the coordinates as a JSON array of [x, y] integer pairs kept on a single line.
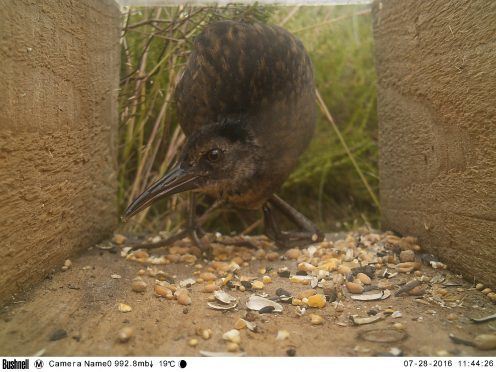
[[15, 364]]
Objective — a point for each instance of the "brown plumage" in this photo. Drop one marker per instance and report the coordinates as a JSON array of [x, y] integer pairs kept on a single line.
[[246, 104]]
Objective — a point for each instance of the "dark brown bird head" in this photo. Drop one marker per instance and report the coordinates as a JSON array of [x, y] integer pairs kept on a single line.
[[218, 159]]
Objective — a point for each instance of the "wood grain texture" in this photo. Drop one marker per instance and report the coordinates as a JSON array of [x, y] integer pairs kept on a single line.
[[58, 126], [437, 113]]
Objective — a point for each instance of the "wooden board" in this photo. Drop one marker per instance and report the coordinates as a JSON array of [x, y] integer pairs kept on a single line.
[[437, 115], [58, 126]]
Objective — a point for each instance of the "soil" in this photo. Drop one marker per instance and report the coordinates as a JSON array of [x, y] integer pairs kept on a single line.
[[75, 312]]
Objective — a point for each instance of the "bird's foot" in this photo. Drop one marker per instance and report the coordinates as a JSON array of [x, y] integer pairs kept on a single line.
[[289, 239]]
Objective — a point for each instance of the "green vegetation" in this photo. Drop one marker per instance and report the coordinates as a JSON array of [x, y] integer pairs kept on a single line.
[[326, 186]]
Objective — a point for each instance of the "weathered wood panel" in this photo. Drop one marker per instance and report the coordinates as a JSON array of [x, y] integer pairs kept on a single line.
[[436, 65], [58, 123]]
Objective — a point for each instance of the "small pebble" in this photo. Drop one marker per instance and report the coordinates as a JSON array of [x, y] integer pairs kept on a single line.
[[291, 352], [316, 319], [354, 288], [193, 342], [58, 334], [125, 334]]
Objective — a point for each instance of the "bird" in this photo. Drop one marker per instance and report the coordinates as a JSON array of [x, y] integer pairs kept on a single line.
[[246, 103]]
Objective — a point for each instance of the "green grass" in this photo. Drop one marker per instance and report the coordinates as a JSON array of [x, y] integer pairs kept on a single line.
[[326, 186]]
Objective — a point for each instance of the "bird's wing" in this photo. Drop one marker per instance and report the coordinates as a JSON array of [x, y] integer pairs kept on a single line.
[[238, 68]]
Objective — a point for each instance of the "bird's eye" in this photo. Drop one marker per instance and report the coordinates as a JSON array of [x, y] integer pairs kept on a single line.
[[214, 155]]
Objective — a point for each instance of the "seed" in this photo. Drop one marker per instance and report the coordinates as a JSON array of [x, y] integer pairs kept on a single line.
[[306, 293], [407, 256], [296, 302], [317, 300], [398, 326], [257, 284], [206, 334], [354, 288], [344, 269], [293, 253], [210, 288], [232, 336], [316, 319], [492, 296], [240, 324], [208, 277], [119, 239], [442, 291], [141, 254], [485, 341], [405, 267], [138, 285], [486, 290], [272, 256], [124, 308], [452, 316], [364, 278], [232, 347], [68, 263], [125, 334], [266, 279], [305, 266], [479, 286], [193, 342], [161, 291], [183, 299], [282, 335]]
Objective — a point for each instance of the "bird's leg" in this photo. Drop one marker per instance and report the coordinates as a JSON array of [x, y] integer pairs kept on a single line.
[[193, 230], [309, 235]]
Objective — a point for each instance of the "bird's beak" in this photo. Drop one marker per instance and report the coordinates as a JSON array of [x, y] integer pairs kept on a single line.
[[175, 181]]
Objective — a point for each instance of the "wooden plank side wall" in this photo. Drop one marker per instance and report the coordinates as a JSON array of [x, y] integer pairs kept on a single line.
[[58, 125], [436, 65]]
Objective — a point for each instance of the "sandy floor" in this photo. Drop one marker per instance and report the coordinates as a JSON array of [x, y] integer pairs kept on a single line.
[[75, 312]]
